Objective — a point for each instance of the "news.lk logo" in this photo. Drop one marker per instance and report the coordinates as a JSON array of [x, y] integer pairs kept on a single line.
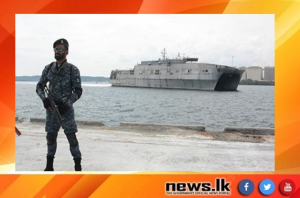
[[246, 187], [287, 187], [266, 187], [221, 187]]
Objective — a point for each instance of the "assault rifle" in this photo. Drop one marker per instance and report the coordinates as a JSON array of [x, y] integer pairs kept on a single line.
[[54, 109], [17, 131]]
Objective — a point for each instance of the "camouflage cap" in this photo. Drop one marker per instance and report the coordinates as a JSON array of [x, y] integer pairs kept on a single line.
[[61, 41]]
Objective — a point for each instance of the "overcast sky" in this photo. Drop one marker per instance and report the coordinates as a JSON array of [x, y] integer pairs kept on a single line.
[[104, 42]]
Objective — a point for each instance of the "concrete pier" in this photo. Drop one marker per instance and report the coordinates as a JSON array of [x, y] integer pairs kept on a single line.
[[185, 127], [139, 148], [156, 126], [250, 130], [78, 122]]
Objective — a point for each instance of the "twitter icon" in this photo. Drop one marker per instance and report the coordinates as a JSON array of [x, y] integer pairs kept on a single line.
[[266, 187]]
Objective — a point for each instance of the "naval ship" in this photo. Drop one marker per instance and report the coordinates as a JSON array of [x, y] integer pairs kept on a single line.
[[183, 73]]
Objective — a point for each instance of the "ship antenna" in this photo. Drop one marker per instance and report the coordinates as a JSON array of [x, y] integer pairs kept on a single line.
[[164, 54]]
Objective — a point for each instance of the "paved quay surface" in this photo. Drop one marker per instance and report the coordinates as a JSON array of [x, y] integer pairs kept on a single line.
[[139, 149]]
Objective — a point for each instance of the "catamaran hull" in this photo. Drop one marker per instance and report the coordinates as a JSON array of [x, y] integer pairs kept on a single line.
[[181, 76], [227, 82]]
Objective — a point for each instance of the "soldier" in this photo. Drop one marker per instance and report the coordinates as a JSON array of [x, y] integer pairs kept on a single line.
[[65, 88]]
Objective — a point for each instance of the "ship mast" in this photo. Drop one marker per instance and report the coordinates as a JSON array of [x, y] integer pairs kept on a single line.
[[163, 53]]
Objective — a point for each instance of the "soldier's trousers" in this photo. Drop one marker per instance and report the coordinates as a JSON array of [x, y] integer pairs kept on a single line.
[[70, 128]]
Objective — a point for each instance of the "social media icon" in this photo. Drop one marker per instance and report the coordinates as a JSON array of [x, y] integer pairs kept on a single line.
[[246, 187], [287, 187], [266, 187]]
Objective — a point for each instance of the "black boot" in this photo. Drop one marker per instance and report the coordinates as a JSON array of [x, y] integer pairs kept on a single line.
[[49, 166], [77, 164]]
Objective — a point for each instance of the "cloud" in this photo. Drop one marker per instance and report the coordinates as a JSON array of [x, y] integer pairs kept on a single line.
[[100, 43]]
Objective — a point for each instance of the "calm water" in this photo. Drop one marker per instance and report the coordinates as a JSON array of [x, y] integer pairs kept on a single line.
[[250, 106]]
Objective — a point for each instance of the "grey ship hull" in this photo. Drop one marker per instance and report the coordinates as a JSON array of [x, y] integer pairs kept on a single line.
[[194, 76]]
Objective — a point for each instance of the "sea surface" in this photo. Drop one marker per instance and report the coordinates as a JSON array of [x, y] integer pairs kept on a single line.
[[250, 106]]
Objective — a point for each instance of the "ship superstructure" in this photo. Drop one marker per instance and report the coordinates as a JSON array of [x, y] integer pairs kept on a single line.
[[185, 73]]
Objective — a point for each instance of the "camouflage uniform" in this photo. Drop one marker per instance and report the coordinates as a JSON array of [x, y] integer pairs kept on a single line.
[[65, 87]]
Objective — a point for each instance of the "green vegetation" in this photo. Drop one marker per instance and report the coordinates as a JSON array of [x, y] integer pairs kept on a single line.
[[256, 82]]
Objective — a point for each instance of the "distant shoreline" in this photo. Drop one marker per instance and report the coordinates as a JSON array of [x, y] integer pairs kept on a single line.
[[256, 82], [83, 78], [106, 79]]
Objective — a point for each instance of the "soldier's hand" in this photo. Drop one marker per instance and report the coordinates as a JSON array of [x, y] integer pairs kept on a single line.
[[46, 103]]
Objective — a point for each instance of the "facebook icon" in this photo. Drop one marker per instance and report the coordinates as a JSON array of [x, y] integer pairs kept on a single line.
[[246, 187]]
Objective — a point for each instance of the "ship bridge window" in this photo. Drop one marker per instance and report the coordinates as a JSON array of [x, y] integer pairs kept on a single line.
[[156, 71], [131, 72]]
